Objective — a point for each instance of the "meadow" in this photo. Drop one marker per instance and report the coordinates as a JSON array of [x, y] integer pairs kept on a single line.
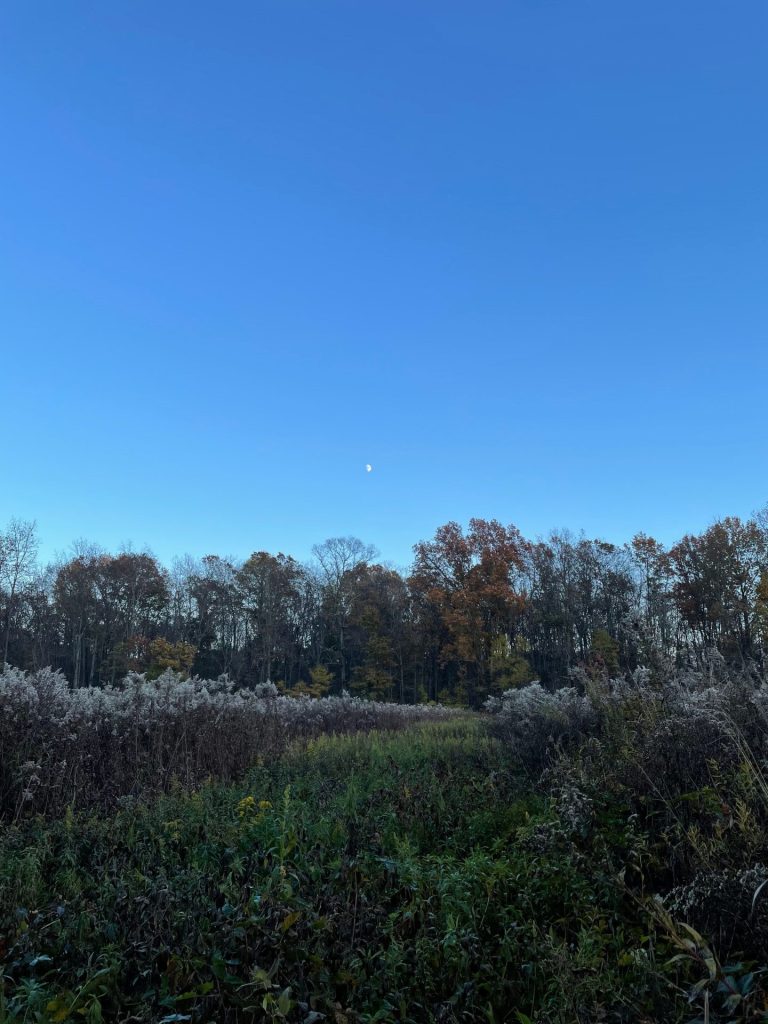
[[383, 596], [594, 853]]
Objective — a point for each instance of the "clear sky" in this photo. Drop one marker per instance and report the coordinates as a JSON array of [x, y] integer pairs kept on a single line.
[[513, 254]]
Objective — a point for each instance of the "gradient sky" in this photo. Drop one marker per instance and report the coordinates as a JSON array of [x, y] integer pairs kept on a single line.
[[515, 255]]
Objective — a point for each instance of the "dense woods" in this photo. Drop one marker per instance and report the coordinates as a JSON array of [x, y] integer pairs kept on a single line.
[[480, 610]]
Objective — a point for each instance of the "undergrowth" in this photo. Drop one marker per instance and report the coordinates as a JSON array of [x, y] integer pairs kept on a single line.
[[410, 877]]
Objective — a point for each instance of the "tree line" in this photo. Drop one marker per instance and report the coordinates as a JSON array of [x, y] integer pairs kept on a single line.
[[480, 610]]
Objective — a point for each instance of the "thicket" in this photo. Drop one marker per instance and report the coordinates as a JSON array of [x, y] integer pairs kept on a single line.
[[64, 747], [686, 760]]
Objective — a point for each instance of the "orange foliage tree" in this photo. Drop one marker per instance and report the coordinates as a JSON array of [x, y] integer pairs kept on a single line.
[[471, 582]]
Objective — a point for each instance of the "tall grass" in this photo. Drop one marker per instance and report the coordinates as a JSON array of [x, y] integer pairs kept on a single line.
[[91, 746], [687, 760]]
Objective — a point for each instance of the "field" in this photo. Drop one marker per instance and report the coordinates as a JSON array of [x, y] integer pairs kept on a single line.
[[505, 866], [383, 512]]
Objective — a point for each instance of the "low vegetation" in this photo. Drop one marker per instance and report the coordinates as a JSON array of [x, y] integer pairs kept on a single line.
[[683, 762], [88, 746], [366, 878], [590, 854]]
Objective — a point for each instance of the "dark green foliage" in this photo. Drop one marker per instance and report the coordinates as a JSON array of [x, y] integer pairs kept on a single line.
[[408, 877], [367, 878]]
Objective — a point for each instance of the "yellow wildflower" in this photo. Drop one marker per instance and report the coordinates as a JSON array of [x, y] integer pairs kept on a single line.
[[246, 806]]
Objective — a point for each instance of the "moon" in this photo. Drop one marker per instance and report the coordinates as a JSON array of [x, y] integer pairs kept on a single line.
[[368, 467]]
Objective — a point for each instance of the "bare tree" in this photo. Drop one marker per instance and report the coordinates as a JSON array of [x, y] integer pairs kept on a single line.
[[337, 558], [18, 557]]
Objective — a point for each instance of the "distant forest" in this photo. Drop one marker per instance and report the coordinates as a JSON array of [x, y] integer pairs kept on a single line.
[[481, 610]]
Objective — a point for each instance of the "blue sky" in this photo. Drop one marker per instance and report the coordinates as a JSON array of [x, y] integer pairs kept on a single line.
[[515, 255]]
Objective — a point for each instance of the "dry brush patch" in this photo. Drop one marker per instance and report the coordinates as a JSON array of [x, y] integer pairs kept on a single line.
[[678, 770], [89, 746]]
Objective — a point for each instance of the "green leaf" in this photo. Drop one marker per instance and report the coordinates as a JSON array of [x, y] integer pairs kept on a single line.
[[200, 990]]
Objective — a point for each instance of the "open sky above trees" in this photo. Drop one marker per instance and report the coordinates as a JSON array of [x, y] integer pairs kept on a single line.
[[513, 256]]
